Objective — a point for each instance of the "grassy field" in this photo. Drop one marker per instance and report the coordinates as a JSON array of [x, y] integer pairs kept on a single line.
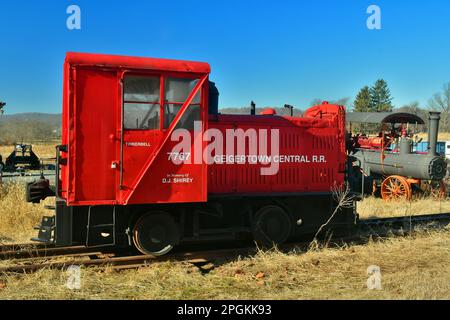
[[17, 217], [43, 150], [376, 208], [413, 267], [443, 136]]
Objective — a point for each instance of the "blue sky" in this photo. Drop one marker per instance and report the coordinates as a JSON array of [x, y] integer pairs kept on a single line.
[[272, 52]]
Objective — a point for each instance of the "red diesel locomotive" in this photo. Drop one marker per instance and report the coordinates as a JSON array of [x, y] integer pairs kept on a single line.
[[147, 161]]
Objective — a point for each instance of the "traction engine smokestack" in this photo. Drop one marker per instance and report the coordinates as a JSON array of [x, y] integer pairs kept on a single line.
[[433, 129]]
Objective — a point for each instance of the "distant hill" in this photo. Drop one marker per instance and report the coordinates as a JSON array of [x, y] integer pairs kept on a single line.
[[29, 127], [54, 119], [246, 110], [36, 126], [49, 118]]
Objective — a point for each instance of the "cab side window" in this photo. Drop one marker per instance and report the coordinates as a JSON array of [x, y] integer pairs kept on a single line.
[[141, 102], [177, 90]]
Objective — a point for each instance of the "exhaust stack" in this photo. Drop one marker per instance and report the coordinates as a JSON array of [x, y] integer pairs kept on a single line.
[[433, 129], [252, 108]]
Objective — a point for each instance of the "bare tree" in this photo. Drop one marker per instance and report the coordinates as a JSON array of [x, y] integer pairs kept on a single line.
[[341, 101], [14, 131], [343, 199], [316, 102], [413, 107], [441, 102]]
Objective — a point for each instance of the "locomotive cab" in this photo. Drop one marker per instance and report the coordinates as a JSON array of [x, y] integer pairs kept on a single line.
[[123, 115]]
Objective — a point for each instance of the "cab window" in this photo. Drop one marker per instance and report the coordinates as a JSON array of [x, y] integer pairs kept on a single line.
[[177, 91], [141, 102]]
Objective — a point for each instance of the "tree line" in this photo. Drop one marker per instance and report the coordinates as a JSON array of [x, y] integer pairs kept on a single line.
[[18, 131], [27, 129], [377, 98]]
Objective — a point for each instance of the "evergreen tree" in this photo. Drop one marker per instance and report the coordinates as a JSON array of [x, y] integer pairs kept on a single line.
[[2, 104], [363, 102], [381, 97]]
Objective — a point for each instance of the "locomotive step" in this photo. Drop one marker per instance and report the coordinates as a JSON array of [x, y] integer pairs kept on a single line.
[[45, 228], [100, 226], [46, 241]]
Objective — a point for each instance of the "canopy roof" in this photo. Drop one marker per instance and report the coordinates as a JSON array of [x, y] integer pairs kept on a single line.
[[384, 117]]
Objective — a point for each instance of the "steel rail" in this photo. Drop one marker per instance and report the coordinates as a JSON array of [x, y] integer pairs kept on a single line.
[[22, 246], [405, 220], [42, 252], [130, 262]]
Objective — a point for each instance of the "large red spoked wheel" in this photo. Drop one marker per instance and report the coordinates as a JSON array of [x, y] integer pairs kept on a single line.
[[396, 187]]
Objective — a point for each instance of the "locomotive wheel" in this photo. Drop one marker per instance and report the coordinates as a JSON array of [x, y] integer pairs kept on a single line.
[[395, 187], [435, 189], [155, 233], [271, 226]]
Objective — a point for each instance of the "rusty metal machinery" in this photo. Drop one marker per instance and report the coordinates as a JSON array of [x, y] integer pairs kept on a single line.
[[23, 157]]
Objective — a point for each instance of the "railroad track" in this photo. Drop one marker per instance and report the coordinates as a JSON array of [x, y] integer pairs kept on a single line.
[[405, 222], [27, 251], [34, 259], [16, 246], [121, 263]]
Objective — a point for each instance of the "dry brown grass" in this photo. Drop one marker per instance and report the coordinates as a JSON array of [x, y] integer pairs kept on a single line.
[[413, 267], [43, 150], [372, 207], [17, 217], [443, 136]]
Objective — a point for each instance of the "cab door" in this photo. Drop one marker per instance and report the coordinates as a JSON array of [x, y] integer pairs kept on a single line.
[[92, 144], [157, 108], [141, 124]]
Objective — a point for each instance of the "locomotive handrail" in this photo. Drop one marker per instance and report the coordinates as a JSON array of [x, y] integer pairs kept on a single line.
[[121, 133], [58, 155]]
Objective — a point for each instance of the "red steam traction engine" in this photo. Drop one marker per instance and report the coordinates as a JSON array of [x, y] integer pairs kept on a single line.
[[118, 184], [386, 163]]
